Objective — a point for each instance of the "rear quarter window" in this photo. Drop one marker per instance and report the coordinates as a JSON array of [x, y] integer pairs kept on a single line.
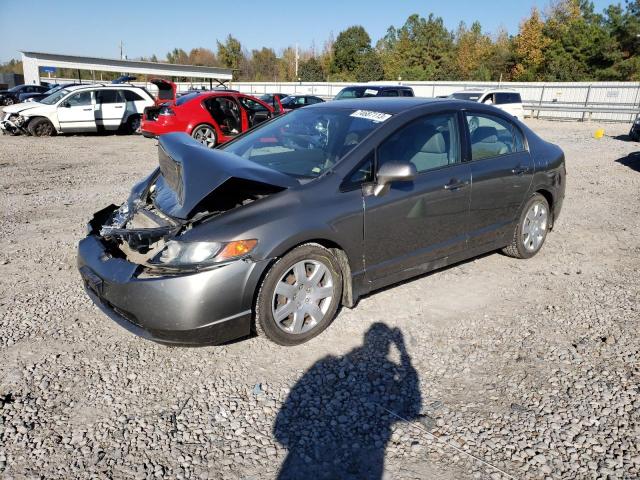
[[131, 96], [504, 98], [186, 98]]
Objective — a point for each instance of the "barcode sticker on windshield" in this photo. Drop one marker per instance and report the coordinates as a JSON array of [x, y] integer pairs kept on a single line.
[[369, 115], [371, 91]]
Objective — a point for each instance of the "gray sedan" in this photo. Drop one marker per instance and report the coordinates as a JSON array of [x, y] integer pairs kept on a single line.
[[275, 230]]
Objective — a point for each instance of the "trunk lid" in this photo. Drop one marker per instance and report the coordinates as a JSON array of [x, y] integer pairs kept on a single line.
[[166, 90], [190, 173]]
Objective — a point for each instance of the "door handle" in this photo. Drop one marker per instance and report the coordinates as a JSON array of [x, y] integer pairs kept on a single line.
[[455, 185], [87, 109], [520, 170], [119, 106]]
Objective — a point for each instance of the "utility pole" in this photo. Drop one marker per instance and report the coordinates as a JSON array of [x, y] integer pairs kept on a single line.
[[121, 50], [297, 58]]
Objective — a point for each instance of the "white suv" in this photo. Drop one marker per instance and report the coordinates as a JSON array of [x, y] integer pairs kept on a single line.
[[82, 108], [504, 98]]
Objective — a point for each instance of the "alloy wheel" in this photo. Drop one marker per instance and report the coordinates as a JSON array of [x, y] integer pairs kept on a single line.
[[534, 227], [206, 136], [302, 296]]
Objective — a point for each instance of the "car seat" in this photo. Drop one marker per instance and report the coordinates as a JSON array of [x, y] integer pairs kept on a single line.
[[485, 144], [429, 154]]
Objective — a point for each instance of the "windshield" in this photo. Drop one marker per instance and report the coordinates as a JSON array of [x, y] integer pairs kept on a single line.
[[356, 92], [306, 142], [55, 97], [474, 97], [54, 89]]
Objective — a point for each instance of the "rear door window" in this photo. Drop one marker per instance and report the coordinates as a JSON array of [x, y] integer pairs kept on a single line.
[[389, 93], [493, 136], [109, 96], [131, 96]]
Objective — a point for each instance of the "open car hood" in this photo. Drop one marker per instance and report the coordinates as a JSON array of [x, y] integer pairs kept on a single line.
[[189, 173]]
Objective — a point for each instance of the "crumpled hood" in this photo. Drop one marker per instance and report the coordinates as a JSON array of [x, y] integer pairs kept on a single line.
[[190, 172], [21, 107]]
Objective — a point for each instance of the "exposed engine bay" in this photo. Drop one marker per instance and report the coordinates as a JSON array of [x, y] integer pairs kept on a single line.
[[138, 230], [191, 186]]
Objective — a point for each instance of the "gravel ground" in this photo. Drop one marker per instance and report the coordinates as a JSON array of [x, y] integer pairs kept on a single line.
[[530, 366]]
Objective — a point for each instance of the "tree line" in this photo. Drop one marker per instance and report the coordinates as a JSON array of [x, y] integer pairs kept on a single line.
[[567, 41]]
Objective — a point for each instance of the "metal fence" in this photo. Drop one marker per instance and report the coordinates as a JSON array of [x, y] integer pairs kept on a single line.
[[582, 101], [603, 101]]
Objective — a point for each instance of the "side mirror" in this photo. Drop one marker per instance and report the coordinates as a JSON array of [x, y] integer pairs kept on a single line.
[[393, 172], [65, 105]]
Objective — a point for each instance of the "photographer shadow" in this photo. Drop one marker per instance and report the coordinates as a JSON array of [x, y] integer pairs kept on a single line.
[[336, 421]]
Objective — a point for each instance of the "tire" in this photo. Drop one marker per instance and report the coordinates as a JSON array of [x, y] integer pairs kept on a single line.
[[41, 127], [634, 135], [206, 135], [532, 228], [291, 315], [133, 124], [8, 101]]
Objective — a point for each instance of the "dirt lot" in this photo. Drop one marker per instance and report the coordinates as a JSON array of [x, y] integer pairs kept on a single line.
[[530, 366]]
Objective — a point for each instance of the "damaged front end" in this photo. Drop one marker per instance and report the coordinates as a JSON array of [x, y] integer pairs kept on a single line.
[[14, 124], [145, 265], [135, 231], [192, 185]]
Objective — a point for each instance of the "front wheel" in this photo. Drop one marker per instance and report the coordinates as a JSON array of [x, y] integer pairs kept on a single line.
[[299, 296], [41, 127], [206, 135], [8, 101], [531, 230]]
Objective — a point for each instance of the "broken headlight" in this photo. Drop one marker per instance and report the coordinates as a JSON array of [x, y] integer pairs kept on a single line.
[[181, 254]]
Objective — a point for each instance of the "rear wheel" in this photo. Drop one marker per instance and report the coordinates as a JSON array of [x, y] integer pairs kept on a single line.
[[299, 296], [41, 127], [8, 101], [531, 230], [206, 135], [133, 124]]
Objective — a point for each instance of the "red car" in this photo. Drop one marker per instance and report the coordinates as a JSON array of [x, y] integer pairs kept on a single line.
[[211, 118]]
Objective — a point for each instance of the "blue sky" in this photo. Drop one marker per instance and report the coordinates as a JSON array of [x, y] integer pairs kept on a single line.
[[147, 27]]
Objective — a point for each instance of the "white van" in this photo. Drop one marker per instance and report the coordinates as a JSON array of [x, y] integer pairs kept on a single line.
[[505, 99], [81, 108]]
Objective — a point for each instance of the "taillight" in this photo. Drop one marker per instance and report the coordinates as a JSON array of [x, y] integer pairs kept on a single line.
[[166, 111]]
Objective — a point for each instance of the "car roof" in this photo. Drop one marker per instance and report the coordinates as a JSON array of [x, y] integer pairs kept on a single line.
[[73, 88], [486, 90], [380, 87], [384, 104]]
